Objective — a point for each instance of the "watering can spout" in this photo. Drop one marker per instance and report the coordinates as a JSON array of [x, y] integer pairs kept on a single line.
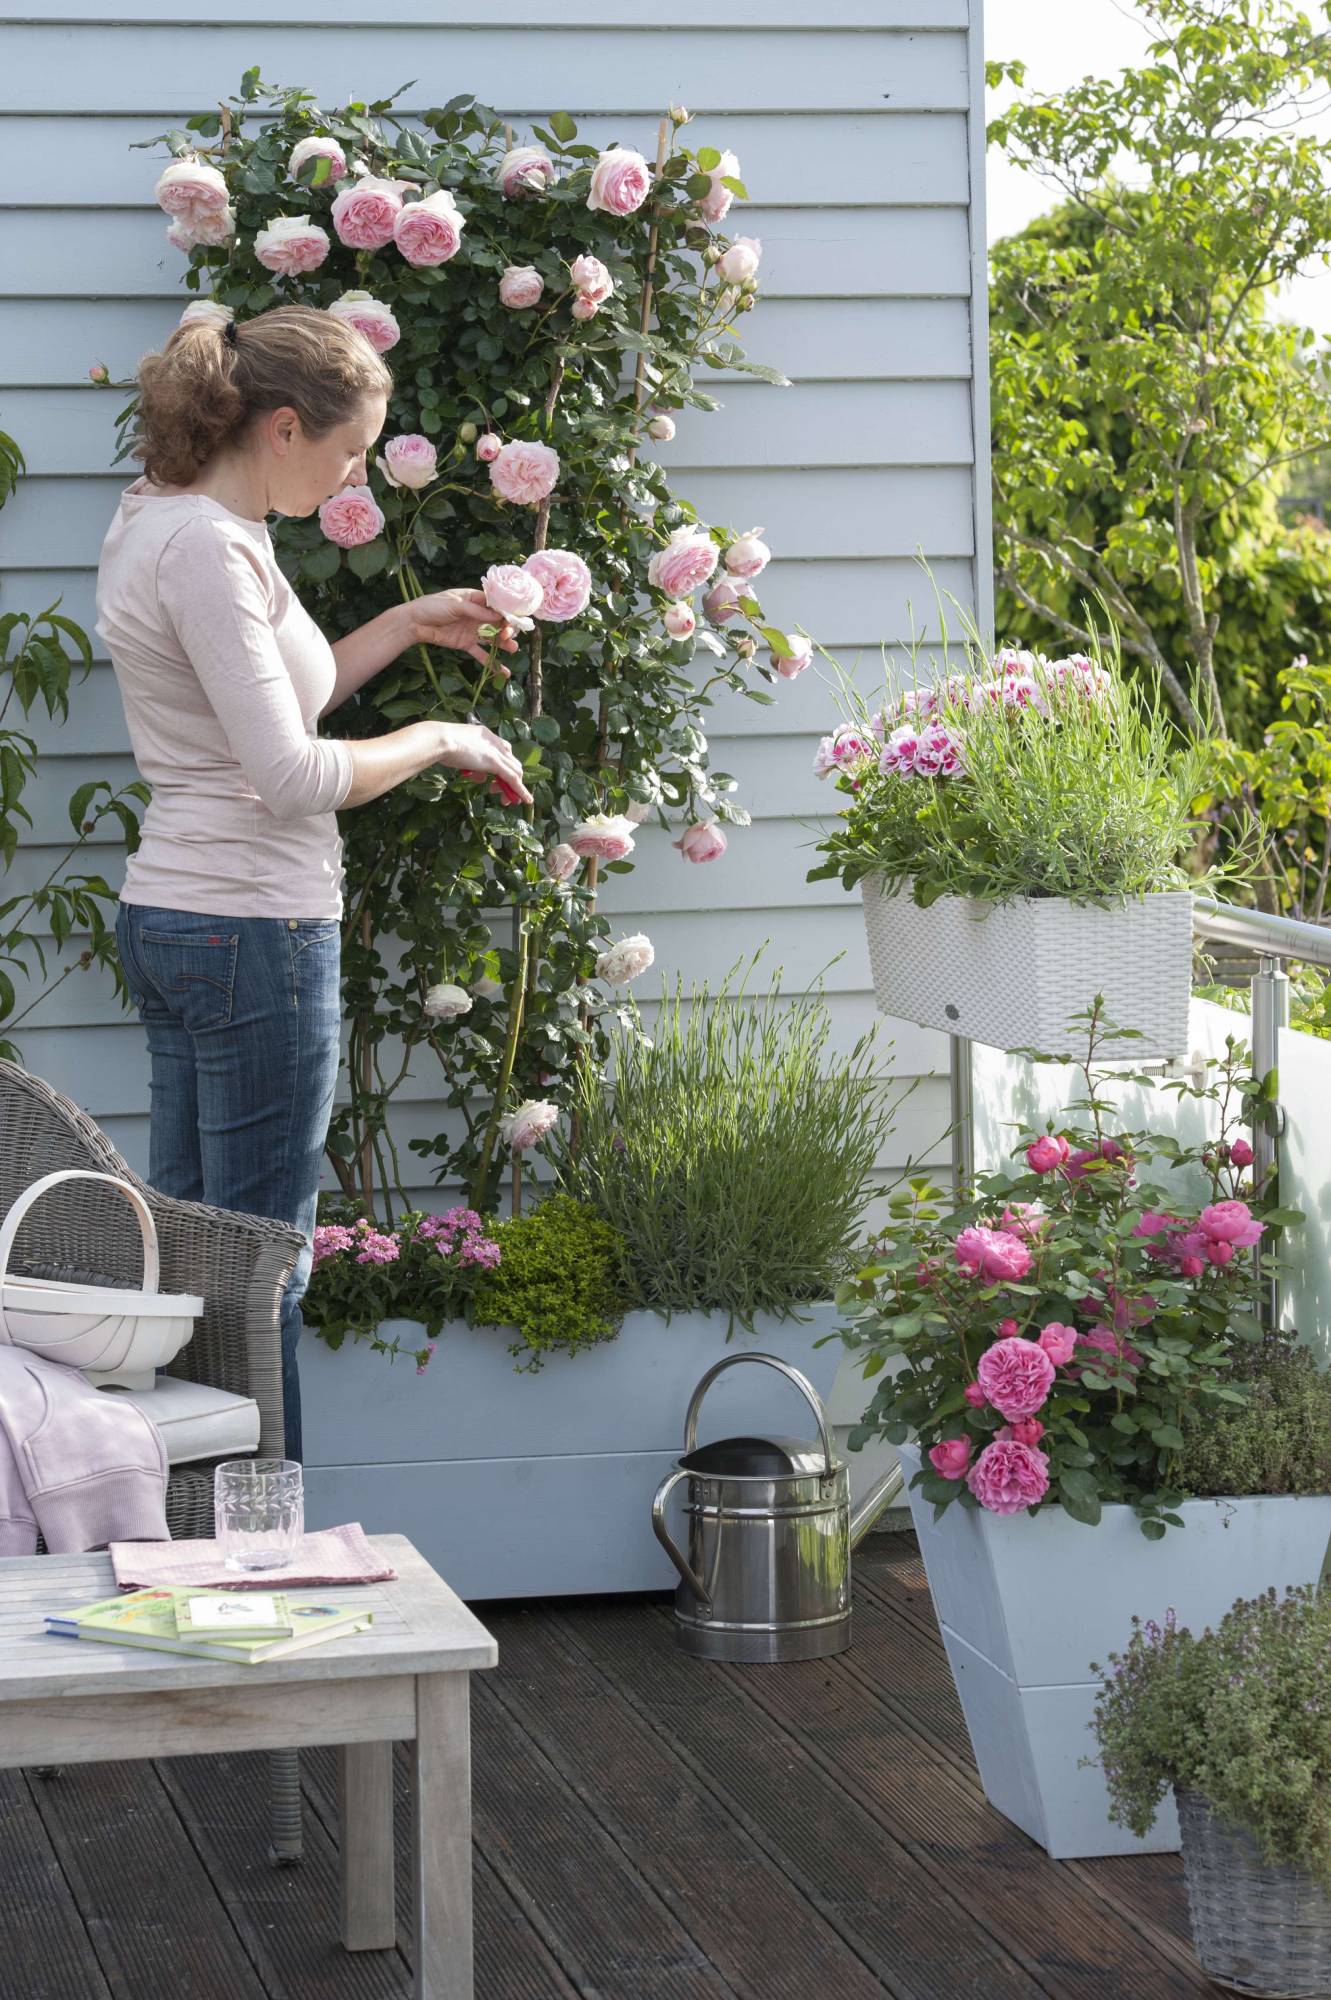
[[875, 1503]]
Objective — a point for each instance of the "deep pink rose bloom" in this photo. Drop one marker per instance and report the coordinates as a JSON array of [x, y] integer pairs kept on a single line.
[[566, 583], [1058, 1342], [291, 245], [621, 181], [1241, 1153], [1045, 1154], [688, 559], [524, 472], [1230, 1222], [1025, 1219], [429, 231], [990, 1253], [1154, 1223], [1008, 1476], [351, 517], [703, 841], [950, 1458], [365, 212], [975, 1395], [1026, 1430], [1016, 1376], [1119, 1352]]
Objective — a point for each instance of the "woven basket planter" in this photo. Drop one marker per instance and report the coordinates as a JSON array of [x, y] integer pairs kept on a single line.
[[1014, 974], [1257, 1927]]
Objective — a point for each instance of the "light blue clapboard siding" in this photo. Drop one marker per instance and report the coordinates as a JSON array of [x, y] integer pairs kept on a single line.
[[858, 128]]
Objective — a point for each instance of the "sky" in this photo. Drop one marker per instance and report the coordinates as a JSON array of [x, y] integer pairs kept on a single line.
[[1060, 41]]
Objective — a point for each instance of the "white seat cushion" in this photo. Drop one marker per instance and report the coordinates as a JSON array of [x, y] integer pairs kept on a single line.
[[196, 1421]]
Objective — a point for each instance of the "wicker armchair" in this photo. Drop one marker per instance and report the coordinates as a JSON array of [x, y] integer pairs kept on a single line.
[[238, 1264]]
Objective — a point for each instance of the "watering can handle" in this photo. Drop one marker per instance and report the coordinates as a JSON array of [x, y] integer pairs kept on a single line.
[[805, 1387], [663, 1536]]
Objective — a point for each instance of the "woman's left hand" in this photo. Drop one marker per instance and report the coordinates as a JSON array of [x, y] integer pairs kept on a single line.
[[452, 618]]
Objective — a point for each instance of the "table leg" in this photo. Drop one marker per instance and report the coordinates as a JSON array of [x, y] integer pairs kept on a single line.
[[365, 1807], [441, 1866]]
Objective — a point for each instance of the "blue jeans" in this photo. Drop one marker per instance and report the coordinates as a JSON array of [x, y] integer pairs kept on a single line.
[[242, 1016]]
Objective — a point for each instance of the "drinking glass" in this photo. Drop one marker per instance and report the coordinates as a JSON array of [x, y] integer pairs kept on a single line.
[[258, 1512]]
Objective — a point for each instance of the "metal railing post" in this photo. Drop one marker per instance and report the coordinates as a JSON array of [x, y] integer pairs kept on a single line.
[[961, 1077], [1270, 1013]]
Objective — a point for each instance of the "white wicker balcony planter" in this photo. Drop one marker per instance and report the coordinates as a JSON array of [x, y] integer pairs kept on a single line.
[[1013, 974], [113, 1335]]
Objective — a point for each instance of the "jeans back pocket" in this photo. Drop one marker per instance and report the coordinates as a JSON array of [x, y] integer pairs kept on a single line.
[[194, 970]]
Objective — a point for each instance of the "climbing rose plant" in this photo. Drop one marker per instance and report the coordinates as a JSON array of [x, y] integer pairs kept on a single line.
[[544, 306]]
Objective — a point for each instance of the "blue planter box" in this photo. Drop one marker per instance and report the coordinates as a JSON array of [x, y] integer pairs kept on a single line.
[[515, 1485]]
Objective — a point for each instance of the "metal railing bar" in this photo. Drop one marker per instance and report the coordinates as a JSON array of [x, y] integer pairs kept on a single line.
[[1265, 936]]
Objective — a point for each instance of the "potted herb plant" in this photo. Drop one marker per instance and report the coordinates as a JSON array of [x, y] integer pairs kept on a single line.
[[1019, 831], [1236, 1722], [1063, 1346]]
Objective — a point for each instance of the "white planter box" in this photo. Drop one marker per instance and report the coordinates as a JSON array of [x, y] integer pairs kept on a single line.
[[1013, 974], [515, 1485], [1026, 1603]]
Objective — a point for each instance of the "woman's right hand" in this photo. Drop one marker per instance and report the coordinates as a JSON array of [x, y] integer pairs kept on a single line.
[[477, 752]]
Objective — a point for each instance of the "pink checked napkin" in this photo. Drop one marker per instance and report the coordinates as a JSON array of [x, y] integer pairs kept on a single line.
[[326, 1555]]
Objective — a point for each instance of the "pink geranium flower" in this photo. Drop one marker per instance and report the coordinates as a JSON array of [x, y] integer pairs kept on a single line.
[[1008, 1476], [1016, 1376]]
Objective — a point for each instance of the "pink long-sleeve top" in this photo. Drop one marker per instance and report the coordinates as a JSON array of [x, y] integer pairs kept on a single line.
[[223, 675]]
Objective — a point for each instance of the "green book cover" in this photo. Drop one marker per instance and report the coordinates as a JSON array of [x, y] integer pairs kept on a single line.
[[148, 1618]]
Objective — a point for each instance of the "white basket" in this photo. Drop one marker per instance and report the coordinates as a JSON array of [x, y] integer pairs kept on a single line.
[[112, 1335], [1013, 974]]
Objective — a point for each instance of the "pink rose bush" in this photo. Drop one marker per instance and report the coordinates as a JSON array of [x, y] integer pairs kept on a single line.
[[1055, 1337], [351, 518], [362, 1274]]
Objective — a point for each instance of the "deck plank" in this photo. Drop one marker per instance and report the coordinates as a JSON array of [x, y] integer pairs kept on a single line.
[[45, 1950]]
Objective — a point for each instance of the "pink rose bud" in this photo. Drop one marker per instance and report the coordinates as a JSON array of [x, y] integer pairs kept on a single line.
[[746, 646], [99, 372], [790, 664], [585, 307], [704, 841], [722, 600], [488, 447], [739, 263], [679, 619], [1190, 1267], [1241, 1153], [678, 115], [1220, 1253], [1046, 1154], [521, 286], [1027, 1430], [467, 433], [747, 556], [661, 428], [562, 862], [951, 1458], [590, 277], [975, 1395], [1007, 1329]]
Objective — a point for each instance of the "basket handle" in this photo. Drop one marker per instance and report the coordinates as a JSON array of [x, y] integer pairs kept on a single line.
[[10, 1226]]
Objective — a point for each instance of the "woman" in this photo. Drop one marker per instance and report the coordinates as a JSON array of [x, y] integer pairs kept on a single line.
[[229, 921]]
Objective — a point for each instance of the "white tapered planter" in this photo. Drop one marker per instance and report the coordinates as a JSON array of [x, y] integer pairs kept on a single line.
[[1013, 974], [1027, 1602]]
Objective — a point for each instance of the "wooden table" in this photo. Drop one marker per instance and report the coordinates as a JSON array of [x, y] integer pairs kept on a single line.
[[78, 1701]]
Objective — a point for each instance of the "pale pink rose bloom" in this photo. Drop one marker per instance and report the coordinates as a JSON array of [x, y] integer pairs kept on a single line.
[[679, 620], [429, 231], [636, 812], [291, 245], [565, 580], [703, 841], [212, 226], [410, 460], [365, 213], [688, 559], [722, 600], [445, 1002], [316, 147], [621, 181], [191, 189], [590, 276], [740, 262], [801, 653], [715, 205], [950, 1458], [525, 170], [602, 837], [180, 236], [369, 317], [521, 286], [584, 307], [747, 556], [562, 862], [351, 517], [528, 1124], [626, 960], [207, 312], [488, 447], [511, 590], [99, 372], [524, 472], [1016, 1375], [1008, 1476], [662, 428]]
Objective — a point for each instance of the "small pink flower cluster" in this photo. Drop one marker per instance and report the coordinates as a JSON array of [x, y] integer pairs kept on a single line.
[[459, 1233], [931, 752], [844, 749], [1219, 1231], [331, 1239]]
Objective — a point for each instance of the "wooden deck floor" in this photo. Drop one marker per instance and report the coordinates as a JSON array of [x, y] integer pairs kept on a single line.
[[647, 1828]]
